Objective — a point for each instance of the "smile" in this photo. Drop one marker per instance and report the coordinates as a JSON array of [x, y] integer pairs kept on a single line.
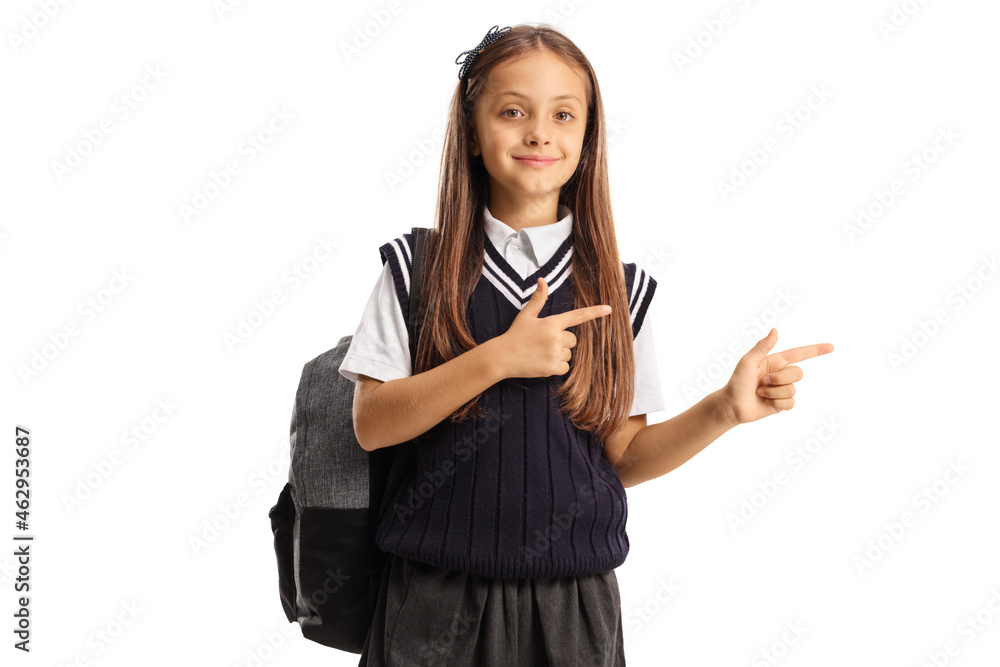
[[536, 162]]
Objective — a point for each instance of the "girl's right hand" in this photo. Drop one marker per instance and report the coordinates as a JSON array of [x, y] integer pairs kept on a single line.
[[539, 346]]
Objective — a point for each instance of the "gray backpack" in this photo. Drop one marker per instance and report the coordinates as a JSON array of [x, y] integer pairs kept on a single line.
[[324, 523]]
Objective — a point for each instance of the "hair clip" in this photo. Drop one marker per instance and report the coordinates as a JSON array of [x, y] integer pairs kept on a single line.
[[492, 35]]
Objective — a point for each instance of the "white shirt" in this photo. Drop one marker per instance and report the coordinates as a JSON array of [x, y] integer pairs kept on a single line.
[[380, 346]]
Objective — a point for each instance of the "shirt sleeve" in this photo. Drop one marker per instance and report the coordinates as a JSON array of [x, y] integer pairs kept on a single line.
[[380, 347], [648, 392]]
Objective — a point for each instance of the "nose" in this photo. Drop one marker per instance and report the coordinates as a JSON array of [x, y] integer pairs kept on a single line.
[[538, 133]]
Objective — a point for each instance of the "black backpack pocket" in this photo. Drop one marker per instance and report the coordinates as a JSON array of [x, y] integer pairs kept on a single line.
[[333, 551], [282, 517]]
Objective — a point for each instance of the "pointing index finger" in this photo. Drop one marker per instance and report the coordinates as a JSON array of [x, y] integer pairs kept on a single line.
[[797, 354], [580, 315]]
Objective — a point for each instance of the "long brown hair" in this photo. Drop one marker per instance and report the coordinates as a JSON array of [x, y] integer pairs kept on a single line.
[[599, 389]]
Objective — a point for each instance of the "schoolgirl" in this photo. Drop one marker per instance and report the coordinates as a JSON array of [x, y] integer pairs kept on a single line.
[[535, 370]]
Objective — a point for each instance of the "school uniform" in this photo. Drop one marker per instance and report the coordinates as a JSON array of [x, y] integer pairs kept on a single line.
[[503, 542]]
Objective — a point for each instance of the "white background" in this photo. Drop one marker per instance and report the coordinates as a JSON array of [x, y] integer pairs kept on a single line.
[[678, 130]]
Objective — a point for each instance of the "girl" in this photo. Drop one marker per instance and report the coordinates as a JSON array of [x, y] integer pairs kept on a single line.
[[535, 370]]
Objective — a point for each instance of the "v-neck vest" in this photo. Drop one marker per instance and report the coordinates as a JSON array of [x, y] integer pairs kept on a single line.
[[522, 493]]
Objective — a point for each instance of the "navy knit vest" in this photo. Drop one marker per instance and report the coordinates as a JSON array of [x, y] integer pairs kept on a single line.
[[523, 493]]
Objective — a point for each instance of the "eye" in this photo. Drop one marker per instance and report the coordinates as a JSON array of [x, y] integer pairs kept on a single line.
[[504, 113]]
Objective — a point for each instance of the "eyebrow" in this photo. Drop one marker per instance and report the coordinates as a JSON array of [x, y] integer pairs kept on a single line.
[[554, 99]]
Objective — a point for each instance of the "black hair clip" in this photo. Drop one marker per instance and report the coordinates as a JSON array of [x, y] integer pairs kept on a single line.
[[492, 35]]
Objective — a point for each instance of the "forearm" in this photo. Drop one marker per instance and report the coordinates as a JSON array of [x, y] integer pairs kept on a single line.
[[399, 410], [659, 448]]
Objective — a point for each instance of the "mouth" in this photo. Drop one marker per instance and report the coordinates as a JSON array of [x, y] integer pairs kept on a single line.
[[535, 160]]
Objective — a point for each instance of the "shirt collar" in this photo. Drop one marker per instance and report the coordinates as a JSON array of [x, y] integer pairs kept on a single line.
[[542, 241]]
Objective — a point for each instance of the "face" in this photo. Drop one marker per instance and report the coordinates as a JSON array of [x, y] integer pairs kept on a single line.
[[533, 106]]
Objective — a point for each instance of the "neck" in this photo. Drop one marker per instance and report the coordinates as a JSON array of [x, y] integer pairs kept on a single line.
[[525, 213]]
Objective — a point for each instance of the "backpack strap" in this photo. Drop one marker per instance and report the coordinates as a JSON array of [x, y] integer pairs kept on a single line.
[[420, 236]]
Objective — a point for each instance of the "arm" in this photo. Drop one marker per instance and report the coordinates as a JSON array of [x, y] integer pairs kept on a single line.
[[388, 413], [643, 453], [761, 385]]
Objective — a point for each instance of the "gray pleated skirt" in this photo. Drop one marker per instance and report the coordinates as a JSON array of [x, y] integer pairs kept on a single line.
[[431, 616]]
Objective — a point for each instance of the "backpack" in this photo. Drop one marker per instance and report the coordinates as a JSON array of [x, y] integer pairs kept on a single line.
[[326, 516]]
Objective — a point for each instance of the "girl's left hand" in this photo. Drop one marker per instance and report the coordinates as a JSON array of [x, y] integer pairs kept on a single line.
[[747, 397]]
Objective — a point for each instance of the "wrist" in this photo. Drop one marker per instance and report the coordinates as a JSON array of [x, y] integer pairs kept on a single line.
[[492, 360], [722, 412]]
